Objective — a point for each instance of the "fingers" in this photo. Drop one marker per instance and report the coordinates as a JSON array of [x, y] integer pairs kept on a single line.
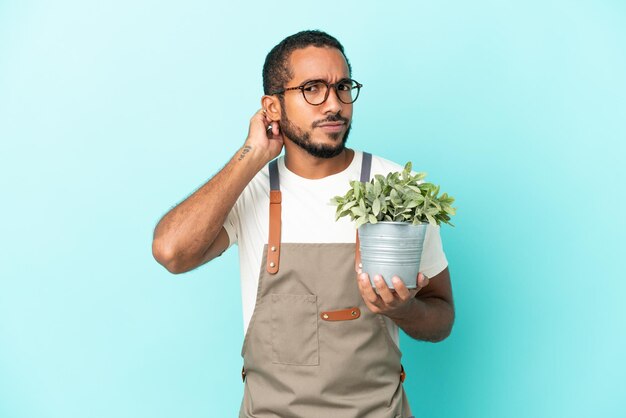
[[422, 281], [275, 129], [401, 290], [382, 299], [383, 290], [265, 134], [260, 116], [271, 127], [381, 295], [258, 121], [367, 291]]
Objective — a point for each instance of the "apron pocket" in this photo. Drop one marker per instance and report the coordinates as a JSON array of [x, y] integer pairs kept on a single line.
[[294, 330]]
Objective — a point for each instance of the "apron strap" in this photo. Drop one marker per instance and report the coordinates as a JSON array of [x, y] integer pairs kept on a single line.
[[273, 245], [273, 250], [365, 177], [366, 167]]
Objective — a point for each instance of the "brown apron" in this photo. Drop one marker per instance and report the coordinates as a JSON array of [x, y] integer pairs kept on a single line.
[[313, 348]]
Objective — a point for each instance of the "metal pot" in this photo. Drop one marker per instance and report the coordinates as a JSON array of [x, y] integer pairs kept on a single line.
[[392, 249]]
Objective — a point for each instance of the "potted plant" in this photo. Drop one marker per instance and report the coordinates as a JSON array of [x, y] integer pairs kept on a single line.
[[391, 214]]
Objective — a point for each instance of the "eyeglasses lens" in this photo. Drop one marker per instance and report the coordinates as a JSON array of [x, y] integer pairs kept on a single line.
[[315, 92]]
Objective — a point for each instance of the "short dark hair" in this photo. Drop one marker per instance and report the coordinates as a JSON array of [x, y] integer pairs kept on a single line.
[[276, 71]]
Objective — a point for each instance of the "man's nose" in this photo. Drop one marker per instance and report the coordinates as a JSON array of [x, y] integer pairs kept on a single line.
[[332, 103]]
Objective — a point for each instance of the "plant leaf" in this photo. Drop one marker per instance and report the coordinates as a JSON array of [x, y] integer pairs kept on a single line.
[[376, 207], [348, 205], [378, 188], [357, 190], [449, 209], [360, 221], [358, 211]]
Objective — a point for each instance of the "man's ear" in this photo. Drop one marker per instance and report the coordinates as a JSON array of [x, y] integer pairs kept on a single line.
[[272, 108]]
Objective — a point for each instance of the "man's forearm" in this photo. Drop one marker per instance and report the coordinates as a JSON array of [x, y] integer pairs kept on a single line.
[[185, 233], [427, 319]]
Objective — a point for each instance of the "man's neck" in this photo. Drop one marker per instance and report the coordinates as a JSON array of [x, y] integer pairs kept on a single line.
[[305, 165]]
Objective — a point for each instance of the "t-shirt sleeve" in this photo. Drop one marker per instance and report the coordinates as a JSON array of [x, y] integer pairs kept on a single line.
[[433, 258], [231, 225]]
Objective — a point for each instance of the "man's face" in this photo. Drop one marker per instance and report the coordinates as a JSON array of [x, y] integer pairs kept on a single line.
[[322, 130]]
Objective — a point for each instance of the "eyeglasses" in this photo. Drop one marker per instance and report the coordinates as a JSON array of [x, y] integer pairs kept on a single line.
[[315, 92]]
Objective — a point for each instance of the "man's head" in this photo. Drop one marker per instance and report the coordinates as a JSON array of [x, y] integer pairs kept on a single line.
[[321, 130]]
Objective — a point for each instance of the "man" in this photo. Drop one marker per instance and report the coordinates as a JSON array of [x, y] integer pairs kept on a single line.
[[319, 340]]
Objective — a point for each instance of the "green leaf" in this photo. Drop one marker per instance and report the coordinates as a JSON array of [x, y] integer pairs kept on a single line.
[[406, 173], [348, 205], [376, 207], [336, 200], [357, 190], [378, 188], [358, 211], [361, 221], [372, 218], [342, 214]]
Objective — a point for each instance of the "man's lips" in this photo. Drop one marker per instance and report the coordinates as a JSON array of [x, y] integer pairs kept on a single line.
[[332, 126]]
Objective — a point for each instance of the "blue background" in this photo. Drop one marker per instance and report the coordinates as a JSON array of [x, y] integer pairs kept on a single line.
[[113, 112]]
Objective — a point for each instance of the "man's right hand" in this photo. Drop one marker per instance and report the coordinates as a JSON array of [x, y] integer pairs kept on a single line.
[[264, 136]]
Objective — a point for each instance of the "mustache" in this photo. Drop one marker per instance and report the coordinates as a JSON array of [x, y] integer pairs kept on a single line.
[[332, 118]]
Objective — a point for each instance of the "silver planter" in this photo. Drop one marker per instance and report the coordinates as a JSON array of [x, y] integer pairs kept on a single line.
[[392, 249]]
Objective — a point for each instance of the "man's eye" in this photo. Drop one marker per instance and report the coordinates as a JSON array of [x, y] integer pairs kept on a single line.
[[347, 86], [312, 88]]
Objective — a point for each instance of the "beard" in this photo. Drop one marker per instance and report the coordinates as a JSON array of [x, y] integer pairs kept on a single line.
[[303, 138]]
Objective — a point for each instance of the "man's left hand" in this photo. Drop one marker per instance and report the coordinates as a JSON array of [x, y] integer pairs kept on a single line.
[[390, 302]]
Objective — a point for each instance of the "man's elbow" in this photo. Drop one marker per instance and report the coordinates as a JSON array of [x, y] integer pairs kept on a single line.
[[166, 257], [448, 324]]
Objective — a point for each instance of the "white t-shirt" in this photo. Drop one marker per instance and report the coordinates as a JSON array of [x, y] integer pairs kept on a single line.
[[307, 217]]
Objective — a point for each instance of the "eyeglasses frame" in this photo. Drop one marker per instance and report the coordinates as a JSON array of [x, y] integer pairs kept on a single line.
[[328, 87]]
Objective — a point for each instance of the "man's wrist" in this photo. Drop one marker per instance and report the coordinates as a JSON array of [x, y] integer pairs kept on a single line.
[[250, 154], [408, 313]]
